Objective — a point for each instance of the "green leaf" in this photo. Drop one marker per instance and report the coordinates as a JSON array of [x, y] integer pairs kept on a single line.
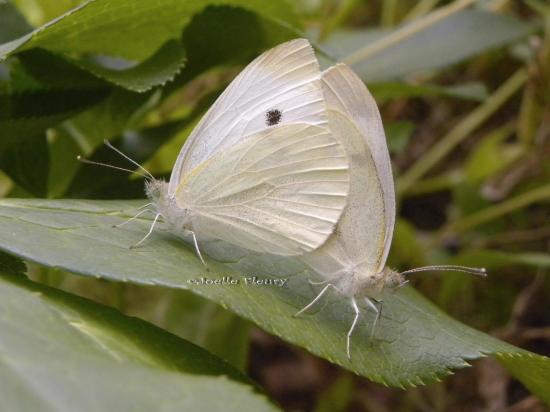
[[63, 151], [225, 36], [12, 23], [27, 164], [492, 155], [52, 71], [406, 247], [213, 36], [494, 259], [94, 181], [24, 115], [157, 70], [449, 41], [206, 324], [338, 397], [177, 311], [38, 12], [64, 353], [492, 213], [394, 90], [414, 343], [398, 135], [43, 103], [163, 159], [110, 118], [94, 27], [228, 35], [11, 265]]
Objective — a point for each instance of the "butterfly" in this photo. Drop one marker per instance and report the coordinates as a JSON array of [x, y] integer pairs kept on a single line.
[[261, 170], [353, 259]]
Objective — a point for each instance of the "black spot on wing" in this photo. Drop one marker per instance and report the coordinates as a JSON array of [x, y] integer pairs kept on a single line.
[[273, 117]]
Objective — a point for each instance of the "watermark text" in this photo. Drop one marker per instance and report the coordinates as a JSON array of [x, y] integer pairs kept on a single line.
[[243, 280]]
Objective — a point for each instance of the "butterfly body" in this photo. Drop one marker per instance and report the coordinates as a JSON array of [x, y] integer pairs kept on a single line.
[[293, 162], [353, 260], [358, 282], [177, 218], [261, 170]]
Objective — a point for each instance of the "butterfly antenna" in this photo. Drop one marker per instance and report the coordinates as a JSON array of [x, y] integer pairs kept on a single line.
[[110, 146], [450, 268], [91, 162]]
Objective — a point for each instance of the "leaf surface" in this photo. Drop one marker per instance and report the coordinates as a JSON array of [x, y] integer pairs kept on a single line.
[[415, 342], [94, 27], [449, 41], [63, 353]]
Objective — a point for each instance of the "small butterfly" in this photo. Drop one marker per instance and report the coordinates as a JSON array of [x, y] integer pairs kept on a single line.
[[261, 170], [353, 260]]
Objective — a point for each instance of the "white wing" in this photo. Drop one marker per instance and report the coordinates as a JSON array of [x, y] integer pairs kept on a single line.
[[364, 232], [285, 78], [282, 191]]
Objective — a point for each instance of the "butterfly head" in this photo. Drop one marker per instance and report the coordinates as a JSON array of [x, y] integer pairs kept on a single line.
[[166, 206], [382, 282], [358, 280], [393, 280], [156, 190]]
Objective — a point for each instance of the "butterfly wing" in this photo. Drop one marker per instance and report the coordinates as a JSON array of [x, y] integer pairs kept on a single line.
[[284, 80], [282, 191], [365, 230]]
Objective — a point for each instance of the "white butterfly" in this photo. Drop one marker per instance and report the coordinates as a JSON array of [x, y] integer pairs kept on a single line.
[[353, 259], [261, 170]]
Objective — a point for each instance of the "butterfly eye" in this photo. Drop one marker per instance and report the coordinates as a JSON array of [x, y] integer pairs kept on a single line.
[[273, 117]]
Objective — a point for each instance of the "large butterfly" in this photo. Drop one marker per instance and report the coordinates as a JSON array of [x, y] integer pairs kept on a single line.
[[261, 170]]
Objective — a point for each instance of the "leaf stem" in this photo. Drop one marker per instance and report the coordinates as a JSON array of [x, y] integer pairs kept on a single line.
[[338, 18], [406, 31], [496, 211], [388, 15], [437, 183], [420, 9]]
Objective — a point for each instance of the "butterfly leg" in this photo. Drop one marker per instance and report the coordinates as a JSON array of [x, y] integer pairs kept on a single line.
[[377, 310], [148, 233], [197, 247], [311, 282], [134, 217], [310, 304], [145, 205], [348, 339]]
